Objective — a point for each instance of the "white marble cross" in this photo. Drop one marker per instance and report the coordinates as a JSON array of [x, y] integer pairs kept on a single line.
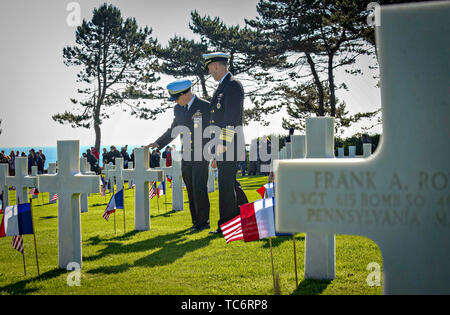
[[211, 178], [399, 197], [34, 170], [108, 178], [177, 181], [4, 171], [141, 175], [51, 170], [85, 170], [298, 143], [367, 149], [21, 181], [351, 151], [116, 174], [288, 150], [69, 183]]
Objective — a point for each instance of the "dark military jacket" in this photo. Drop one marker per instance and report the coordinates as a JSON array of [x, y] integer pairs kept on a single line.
[[198, 116], [227, 106]]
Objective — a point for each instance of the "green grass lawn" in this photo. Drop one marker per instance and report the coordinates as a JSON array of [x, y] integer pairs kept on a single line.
[[169, 259]]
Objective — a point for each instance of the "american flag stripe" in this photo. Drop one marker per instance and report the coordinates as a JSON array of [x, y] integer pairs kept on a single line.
[[232, 230], [236, 236], [152, 193], [107, 213], [55, 197], [17, 243]]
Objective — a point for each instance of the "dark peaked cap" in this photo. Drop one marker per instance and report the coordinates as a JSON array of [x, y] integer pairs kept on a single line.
[[216, 56]]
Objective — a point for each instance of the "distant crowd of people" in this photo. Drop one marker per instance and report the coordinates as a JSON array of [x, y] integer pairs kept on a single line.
[[93, 157], [35, 158]]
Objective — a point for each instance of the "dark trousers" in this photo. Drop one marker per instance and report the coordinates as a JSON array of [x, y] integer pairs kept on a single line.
[[195, 176], [231, 195]]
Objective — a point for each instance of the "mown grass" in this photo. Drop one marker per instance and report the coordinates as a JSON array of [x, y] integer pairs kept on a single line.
[[169, 259]]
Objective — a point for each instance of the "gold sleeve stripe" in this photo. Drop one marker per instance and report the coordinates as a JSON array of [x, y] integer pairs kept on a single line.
[[227, 135], [226, 138]]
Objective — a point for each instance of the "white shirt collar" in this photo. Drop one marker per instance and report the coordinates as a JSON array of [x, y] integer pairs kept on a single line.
[[224, 76], [191, 101]]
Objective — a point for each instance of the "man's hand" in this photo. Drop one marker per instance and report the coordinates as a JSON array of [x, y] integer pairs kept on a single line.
[[152, 145], [221, 149]]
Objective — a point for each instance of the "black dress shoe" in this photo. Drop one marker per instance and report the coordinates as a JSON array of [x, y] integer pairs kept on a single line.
[[202, 227], [218, 231]]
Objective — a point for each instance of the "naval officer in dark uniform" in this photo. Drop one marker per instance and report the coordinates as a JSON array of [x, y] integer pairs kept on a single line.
[[193, 113], [227, 107]]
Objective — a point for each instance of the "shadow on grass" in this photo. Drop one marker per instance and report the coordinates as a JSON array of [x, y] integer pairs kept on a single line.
[[311, 287], [99, 204], [48, 217], [164, 214], [22, 287], [278, 240], [171, 247]]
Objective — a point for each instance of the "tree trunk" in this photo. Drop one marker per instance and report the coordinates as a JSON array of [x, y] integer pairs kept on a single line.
[[318, 85], [332, 86], [97, 136], [203, 83]]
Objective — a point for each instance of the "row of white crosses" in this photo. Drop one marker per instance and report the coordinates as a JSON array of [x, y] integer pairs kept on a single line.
[[400, 196], [367, 151], [68, 183], [73, 180]]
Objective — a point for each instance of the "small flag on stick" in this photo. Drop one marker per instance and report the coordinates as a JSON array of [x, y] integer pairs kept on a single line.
[[54, 198], [116, 202], [17, 243], [232, 230], [153, 191]]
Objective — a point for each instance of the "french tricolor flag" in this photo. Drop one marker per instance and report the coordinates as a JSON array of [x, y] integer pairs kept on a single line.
[[162, 188], [267, 191], [257, 220], [116, 202], [16, 221]]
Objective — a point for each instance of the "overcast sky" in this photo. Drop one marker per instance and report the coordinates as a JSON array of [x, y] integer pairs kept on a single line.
[[35, 84]]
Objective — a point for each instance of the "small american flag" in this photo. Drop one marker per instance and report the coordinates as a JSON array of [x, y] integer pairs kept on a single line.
[[232, 230], [103, 191], [153, 191], [17, 243], [54, 198], [107, 213]]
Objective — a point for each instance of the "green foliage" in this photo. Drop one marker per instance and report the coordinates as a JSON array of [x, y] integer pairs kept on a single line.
[[245, 46], [314, 38], [184, 58], [115, 58]]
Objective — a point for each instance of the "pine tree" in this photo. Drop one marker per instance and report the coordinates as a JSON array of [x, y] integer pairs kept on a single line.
[[315, 37], [184, 58], [116, 63]]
